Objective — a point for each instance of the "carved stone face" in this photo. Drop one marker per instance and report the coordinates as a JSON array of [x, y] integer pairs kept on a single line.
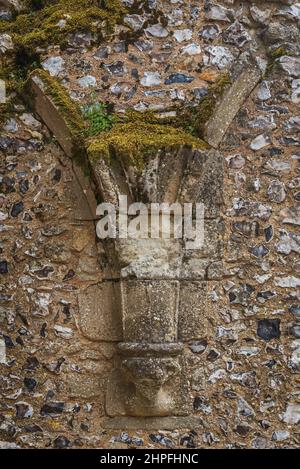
[[149, 380]]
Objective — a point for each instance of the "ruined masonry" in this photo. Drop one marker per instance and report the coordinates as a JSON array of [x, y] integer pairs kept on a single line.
[[146, 343]]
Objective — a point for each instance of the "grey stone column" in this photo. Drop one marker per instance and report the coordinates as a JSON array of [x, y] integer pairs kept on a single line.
[[163, 285]]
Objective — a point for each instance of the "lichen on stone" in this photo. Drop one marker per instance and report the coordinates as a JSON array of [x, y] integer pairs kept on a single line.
[[134, 142]]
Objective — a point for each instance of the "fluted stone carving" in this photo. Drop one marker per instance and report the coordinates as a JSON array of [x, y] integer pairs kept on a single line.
[[163, 284]]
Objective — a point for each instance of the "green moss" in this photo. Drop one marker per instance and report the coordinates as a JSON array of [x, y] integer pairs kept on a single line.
[[272, 55], [134, 142], [68, 110], [38, 26]]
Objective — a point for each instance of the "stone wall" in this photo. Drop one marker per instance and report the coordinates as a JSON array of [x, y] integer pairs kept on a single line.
[[243, 369]]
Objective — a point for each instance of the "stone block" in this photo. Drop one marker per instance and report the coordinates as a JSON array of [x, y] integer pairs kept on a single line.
[[150, 310], [193, 311], [196, 261], [153, 423], [148, 386], [149, 258], [99, 315], [230, 104], [84, 386], [203, 182], [44, 102]]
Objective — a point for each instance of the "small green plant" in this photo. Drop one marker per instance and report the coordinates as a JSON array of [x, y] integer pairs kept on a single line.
[[99, 118]]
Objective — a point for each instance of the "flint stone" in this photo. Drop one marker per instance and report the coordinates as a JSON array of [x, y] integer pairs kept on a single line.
[[236, 34], [52, 408], [218, 13], [178, 78], [2, 352], [292, 414], [291, 65], [218, 56], [261, 141], [151, 79], [260, 16], [54, 65], [268, 329], [287, 282], [8, 445], [263, 92], [99, 312], [157, 30], [281, 435], [135, 22], [87, 82], [276, 191], [6, 43], [277, 33], [209, 32], [191, 49], [295, 310], [289, 242], [12, 4], [230, 104], [182, 35], [23, 410], [291, 215]]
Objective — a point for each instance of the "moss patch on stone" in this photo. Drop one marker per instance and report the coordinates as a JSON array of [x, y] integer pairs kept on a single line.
[[67, 108], [134, 142], [38, 28], [194, 118], [273, 55]]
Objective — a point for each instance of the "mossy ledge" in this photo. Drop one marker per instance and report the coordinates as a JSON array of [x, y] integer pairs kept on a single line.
[[134, 142], [66, 108], [39, 26]]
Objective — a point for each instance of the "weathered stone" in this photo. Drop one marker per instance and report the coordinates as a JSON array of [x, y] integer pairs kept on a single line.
[[287, 282], [182, 35], [83, 386], [99, 312], [150, 310], [51, 114], [268, 329], [218, 13], [194, 310], [152, 423], [135, 22], [291, 65], [276, 191], [6, 43], [218, 56], [236, 34], [291, 215], [292, 413], [157, 30], [54, 65], [2, 352], [261, 141], [151, 79], [230, 104], [87, 81], [148, 382]]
